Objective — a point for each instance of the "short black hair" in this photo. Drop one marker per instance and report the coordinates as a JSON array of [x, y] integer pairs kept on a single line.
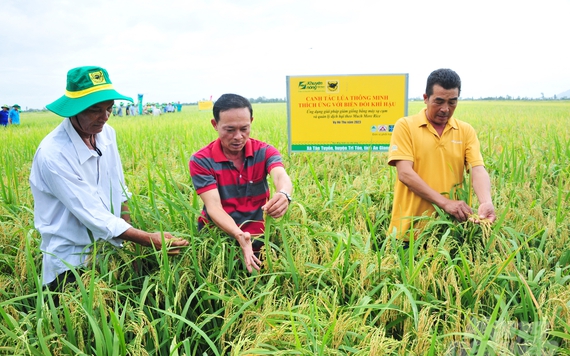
[[444, 77], [230, 101]]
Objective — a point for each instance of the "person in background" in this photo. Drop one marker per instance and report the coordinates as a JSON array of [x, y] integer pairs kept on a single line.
[[230, 176], [4, 115], [14, 115], [156, 110], [78, 184], [430, 151]]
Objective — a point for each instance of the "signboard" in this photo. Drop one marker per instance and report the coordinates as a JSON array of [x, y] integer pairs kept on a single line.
[[340, 113], [205, 105]]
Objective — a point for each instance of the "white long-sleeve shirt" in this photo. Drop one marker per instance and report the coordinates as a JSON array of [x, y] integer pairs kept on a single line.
[[76, 190]]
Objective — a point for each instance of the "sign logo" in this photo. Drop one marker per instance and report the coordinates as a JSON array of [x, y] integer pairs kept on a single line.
[[97, 77], [311, 86], [332, 85]]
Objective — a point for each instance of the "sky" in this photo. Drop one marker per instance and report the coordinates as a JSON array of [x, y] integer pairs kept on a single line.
[[190, 50]]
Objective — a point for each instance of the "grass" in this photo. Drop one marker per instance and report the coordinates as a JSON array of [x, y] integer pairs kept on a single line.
[[333, 284]]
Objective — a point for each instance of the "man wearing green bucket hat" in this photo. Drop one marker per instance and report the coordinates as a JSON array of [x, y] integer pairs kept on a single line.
[[14, 115], [77, 180]]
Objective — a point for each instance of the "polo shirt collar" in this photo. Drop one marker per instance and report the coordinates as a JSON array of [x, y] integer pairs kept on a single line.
[[453, 123], [218, 153], [424, 121], [83, 152]]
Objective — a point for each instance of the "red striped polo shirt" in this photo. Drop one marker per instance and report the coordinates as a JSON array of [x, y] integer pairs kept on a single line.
[[242, 192]]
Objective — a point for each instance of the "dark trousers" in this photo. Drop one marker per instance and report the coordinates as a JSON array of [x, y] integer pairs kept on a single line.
[[62, 280], [59, 283]]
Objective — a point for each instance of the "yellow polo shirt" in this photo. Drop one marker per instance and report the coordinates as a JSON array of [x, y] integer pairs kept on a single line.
[[439, 161]]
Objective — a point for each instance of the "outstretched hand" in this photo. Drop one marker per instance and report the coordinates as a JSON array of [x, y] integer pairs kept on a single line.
[[486, 211], [173, 244], [251, 261], [277, 206], [459, 209]]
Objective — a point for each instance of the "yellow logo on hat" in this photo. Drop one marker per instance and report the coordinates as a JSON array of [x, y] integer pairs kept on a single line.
[[97, 77]]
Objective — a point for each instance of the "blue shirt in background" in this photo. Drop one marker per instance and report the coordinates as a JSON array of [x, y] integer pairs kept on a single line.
[[4, 117], [15, 116]]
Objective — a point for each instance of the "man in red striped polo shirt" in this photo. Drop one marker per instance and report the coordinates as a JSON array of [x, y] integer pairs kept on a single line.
[[230, 176]]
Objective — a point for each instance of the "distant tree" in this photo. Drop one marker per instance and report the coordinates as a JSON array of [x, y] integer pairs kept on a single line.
[[263, 99]]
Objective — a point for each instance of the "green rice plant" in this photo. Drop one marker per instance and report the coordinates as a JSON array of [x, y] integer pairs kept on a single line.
[[334, 282]]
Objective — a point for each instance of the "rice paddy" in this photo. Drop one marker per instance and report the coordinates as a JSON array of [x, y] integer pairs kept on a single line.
[[333, 283]]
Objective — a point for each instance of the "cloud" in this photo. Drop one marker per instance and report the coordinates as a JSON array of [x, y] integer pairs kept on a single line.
[[189, 50]]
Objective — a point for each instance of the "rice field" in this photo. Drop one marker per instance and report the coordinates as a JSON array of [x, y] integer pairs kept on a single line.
[[332, 282]]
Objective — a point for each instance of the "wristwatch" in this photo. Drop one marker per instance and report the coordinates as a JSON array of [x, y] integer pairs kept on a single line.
[[286, 194]]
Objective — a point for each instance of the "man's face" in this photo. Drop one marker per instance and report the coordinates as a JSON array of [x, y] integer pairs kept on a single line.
[[233, 129], [441, 105], [91, 120]]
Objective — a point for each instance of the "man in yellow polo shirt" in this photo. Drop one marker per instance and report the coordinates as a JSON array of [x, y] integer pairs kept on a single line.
[[430, 151]]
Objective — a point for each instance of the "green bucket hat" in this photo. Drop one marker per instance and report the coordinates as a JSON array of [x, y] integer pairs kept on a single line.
[[5, 106], [86, 86], [16, 106]]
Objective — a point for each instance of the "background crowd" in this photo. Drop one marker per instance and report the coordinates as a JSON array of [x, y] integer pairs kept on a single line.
[[10, 115], [155, 109]]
